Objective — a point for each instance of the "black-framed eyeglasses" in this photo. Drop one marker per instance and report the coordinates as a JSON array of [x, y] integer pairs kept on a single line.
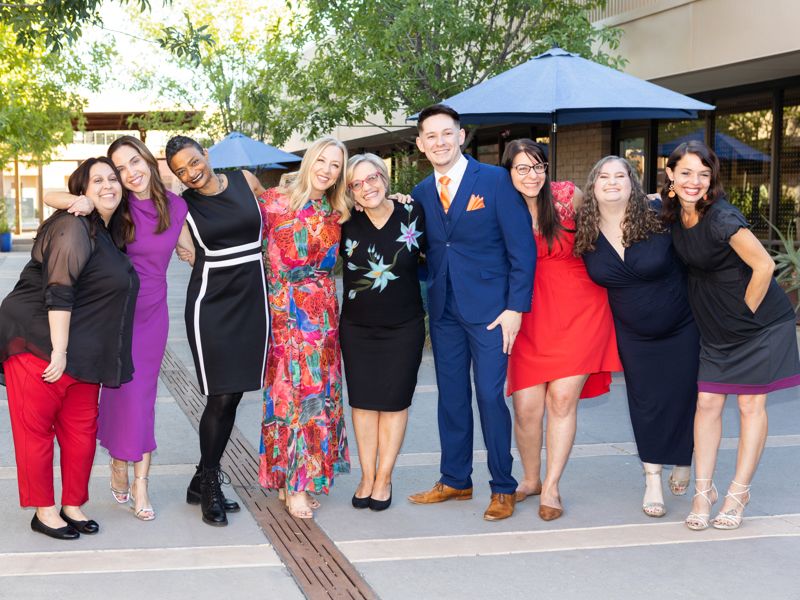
[[372, 180], [524, 169]]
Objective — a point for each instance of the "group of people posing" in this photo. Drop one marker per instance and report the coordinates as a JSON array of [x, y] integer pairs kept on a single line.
[[537, 288]]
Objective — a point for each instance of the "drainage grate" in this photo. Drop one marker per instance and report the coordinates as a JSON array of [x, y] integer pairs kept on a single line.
[[319, 568]]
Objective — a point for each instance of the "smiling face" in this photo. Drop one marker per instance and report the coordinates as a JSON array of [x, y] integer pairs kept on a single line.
[[192, 167], [371, 186], [133, 170], [325, 170], [440, 139], [691, 179], [530, 184], [104, 190], [613, 184]]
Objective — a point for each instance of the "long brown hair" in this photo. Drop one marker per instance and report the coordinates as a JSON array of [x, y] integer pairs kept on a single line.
[[547, 218], [670, 207], [640, 218], [157, 190]]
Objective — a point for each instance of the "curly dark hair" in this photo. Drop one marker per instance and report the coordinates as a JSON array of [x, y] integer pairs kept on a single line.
[[640, 218], [671, 207], [547, 217]]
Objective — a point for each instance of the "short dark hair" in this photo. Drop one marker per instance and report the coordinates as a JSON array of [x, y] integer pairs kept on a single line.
[[178, 143], [437, 109]]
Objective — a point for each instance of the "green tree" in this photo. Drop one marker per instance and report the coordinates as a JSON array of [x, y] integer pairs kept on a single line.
[[380, 56], [39, 98], [225, 67]]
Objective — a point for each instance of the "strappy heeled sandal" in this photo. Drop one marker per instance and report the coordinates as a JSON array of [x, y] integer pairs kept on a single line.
[[732, 519], [678, 487], [146, 513], [699, 521], [120, 496], [653, 509]]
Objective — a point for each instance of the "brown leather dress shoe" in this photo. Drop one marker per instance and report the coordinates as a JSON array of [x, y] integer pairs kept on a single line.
[[501, 507], [439, 493]]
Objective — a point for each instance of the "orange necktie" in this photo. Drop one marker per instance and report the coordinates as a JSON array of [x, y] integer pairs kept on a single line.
[[444, 194]]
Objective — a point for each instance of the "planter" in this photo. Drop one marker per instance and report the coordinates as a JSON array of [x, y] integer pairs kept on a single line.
[[5, 241]]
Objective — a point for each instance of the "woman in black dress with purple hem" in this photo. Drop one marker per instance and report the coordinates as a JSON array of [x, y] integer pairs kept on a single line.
[[382, 328], [627, 250], [748, 343]]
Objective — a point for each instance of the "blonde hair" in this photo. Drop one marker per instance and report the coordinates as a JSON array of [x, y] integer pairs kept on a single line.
[[297, 186], [373, 159]]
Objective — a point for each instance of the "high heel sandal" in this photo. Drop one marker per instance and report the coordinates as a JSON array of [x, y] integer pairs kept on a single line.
[[146, 513], [120, 496], [653, 509], [732, 519], [699, 521], [678, 487]]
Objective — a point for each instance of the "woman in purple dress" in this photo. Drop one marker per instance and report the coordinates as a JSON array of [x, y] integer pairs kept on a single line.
[[152, 221]]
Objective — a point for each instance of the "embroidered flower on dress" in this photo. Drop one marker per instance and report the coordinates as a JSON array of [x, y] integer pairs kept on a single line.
[[380, 273], [350, 246], [409, 234]]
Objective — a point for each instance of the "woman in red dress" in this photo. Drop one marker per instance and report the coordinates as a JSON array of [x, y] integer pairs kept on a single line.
[[566, 348]]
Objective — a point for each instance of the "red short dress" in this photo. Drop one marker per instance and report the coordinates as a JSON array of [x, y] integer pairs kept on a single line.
[[569, 330]]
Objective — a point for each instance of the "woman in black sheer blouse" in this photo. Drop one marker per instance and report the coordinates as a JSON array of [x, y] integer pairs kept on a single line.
[[65, 329]]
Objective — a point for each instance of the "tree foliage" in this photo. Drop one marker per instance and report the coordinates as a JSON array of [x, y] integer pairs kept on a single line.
[[380, 56], [39, 98]]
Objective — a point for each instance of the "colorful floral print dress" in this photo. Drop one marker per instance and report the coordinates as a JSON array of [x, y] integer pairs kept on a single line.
[[303, 441]]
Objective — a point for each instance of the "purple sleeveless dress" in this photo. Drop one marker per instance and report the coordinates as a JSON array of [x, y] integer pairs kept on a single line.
[[125, 425]]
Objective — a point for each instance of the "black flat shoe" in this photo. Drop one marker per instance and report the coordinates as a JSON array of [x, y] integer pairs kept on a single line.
[[361, 502], [68, 532], [89, 527], [381, 504]]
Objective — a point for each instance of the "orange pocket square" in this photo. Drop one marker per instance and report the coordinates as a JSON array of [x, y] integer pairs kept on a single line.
[[475, 203]]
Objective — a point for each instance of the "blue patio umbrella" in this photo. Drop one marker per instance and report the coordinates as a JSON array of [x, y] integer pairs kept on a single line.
[[561, 88], [238, 150], [725, 146]]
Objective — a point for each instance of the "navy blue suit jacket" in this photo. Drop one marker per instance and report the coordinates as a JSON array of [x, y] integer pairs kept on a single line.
[[489, 253]]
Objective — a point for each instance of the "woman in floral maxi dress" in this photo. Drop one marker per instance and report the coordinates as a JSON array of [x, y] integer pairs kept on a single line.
[[303, 443]]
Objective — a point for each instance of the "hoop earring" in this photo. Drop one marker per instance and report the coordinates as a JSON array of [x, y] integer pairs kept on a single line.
[[671, 192]]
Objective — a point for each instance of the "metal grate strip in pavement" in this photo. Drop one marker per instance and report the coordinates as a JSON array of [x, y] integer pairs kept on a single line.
[[320, 569]]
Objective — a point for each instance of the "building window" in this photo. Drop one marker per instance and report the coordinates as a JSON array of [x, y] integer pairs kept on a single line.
[[742, 141], [789, 199]]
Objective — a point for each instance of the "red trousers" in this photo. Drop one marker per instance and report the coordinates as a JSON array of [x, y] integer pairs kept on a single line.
[[66, 409]]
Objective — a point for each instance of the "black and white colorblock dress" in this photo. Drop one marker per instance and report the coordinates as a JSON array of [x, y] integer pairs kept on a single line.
[[226, 314]]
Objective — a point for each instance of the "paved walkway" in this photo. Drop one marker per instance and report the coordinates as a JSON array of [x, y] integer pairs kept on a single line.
[[603, 547]]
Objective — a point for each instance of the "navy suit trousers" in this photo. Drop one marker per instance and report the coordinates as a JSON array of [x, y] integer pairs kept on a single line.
[[457, 345]]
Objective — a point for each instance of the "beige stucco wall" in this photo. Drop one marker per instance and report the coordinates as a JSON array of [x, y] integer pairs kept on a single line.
[[722, 42]]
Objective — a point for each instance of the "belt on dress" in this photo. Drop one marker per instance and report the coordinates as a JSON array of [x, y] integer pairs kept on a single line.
[[727, 275]]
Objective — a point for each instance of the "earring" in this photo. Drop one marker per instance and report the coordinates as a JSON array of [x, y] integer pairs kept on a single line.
[[671, 193], [705, 196]]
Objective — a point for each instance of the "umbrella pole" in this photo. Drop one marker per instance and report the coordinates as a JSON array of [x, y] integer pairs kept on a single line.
[[553, 136]]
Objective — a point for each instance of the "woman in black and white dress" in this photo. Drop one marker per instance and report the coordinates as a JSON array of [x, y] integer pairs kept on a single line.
[[226, 305]]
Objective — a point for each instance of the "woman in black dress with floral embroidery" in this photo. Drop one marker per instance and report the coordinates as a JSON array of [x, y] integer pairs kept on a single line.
[[382, 329]]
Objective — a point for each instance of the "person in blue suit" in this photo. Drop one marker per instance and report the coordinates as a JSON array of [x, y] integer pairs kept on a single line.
[[481, 260]]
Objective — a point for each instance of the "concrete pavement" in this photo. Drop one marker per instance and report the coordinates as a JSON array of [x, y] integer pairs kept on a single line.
[[603, 547]]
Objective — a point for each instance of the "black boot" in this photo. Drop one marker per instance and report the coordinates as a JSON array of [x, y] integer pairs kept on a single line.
[[193, 493], [211, 499]]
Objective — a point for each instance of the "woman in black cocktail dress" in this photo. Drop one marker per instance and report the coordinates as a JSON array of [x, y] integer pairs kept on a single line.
[[627, 250]]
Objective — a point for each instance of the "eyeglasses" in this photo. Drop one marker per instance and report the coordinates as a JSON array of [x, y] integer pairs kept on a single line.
[[523, 169], [372, 180]]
